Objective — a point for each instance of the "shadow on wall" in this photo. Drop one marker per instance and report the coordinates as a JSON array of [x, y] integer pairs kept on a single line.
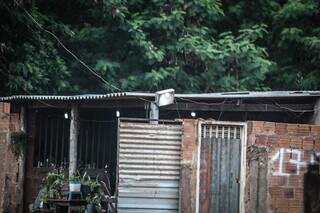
[[312, 189]]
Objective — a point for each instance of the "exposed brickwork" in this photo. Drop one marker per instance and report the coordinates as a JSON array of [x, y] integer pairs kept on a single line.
[[290, 150], [189, 156], [8, 164]]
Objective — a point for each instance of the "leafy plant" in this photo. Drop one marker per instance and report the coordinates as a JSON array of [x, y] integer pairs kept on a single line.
[[54, 185], [94, 193], [18, 143]]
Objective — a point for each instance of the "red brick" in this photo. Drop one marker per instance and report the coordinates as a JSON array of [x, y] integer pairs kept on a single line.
[[303, 130], [273, 140], [276, 192], [257, 127], [288, 193], [295, 142], [281, 128], [307, 143], [261, 140], [315, 130], [292, 129], [317, 143], [251, 139], [284, 142], [290, 168], [269, 127], [295, 181], [6, 108]]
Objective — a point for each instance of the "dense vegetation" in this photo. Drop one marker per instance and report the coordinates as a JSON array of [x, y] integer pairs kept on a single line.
[[189, 45]]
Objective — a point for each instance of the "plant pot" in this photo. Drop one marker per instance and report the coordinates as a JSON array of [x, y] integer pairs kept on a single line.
[[75, 187], [90, 208]]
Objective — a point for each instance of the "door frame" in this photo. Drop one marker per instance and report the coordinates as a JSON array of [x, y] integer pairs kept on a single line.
[[243, 161]]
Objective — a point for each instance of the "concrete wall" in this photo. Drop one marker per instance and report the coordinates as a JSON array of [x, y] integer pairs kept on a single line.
[[9, 122]]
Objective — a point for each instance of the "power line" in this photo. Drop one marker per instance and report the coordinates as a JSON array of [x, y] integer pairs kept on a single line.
[[66, 49]]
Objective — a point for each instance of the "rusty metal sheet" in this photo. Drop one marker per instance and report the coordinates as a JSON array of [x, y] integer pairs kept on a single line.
[[219, 169], [148, 167]]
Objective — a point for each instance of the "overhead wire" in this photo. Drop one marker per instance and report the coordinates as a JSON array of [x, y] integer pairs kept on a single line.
[[92, 71]]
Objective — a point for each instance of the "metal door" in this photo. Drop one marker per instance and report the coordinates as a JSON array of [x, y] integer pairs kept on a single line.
[[149, 167], [220, 159]]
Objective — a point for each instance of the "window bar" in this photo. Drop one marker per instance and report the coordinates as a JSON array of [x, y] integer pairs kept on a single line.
[[51, 141], [46, 141], [235, 133], [229, 132], [80, 141], [87, 141], [57, 141], [92, 144], [62, 145], [99, 141], [104, 152], [222, 133], [217, 131], [210, 133], [39, 142]]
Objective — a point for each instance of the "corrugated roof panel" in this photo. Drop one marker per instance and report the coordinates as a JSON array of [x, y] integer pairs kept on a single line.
[[223, 95]]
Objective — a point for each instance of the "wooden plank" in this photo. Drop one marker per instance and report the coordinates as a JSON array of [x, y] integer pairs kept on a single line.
[[235, 149], [205, 175], [223, 189]]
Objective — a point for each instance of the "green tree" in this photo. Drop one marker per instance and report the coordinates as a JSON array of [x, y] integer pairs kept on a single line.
[[192, 46]]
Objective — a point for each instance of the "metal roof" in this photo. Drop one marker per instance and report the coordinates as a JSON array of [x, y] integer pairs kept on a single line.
[[222, 95]]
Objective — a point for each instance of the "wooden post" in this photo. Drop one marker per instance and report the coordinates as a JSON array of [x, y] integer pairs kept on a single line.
[[74, 131], [21, 164], [315, 119], [154, 113]]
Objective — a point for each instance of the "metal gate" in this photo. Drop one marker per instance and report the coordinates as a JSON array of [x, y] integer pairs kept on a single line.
[[220, 157], [149, 167]]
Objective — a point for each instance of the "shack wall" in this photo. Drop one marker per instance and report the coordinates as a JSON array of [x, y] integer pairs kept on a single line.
[[9, 122], [278, 157], [189, 161]]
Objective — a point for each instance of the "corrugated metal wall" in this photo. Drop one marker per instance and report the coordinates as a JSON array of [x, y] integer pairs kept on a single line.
[[220, 169], [149, 167]]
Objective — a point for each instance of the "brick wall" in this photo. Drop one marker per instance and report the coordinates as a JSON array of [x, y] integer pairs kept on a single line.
[[189, 156], [289, 149], [8, 165]]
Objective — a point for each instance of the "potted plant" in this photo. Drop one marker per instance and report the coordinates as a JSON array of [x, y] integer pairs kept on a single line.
[[53, 188], [93, 195], [74, 184]]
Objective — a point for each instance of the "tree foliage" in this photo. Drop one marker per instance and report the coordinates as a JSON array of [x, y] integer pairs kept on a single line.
[[192, 46]]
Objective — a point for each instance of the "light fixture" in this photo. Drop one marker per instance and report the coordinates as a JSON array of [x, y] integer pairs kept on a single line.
[[66, 116], [165, 97], [193, 114], [118, 113]]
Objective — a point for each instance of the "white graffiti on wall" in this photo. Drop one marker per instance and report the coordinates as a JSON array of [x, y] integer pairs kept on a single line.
[[296, 159]]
